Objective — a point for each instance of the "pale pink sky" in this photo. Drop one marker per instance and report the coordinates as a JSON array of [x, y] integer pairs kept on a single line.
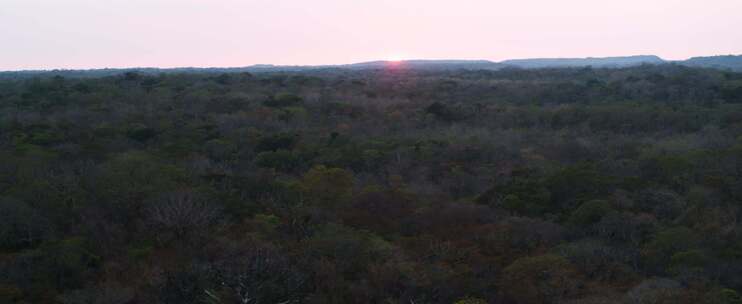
[[45, 34]]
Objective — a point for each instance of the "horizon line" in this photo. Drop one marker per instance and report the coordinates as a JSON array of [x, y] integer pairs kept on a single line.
[[258, 65]]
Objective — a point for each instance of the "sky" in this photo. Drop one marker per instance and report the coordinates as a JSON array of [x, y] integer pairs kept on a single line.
[[74, 34]]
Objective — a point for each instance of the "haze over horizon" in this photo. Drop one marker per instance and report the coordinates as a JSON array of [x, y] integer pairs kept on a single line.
[[80, 34]]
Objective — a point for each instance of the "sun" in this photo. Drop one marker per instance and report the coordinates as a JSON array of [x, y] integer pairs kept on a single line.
[[395, 58]]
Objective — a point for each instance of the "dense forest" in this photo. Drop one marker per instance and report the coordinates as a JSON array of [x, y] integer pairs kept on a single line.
[[573, 185]]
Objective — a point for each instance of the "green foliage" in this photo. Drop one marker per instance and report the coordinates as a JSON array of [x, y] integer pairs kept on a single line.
[[275, 142], [724, 296], [129, 178], [578, 183], [282, 160], [327, 187], [470, 301], [283, 100], [140, 132], [599, 260], [523, 193], [10, 294], [20, 225], [293, 113], [660, 250], [350, 249], [590, 212], [539, 279], [692, 260], [673, 240]]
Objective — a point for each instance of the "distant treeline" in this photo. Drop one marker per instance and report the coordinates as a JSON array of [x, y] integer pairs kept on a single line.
[[729, 62]]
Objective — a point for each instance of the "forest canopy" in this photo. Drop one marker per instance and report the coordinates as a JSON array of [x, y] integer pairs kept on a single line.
[[573, 185]]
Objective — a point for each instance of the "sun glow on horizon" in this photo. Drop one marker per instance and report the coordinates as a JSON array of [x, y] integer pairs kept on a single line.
[[395, 58]]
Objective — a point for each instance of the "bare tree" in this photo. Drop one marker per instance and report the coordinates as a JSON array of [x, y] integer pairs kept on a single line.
[[257, 276], [182, 213]]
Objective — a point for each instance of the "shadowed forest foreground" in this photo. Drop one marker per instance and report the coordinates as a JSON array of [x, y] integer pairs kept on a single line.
[[589, 186]]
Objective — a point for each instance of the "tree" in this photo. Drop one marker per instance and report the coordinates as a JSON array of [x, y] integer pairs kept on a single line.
[[381, 211], [282, 160], [20, 225], [256, 276], [589, 213], [99, 294], [283, 100], [599, 261], [575, 184], [658, 252], [653, 291], [524, 193], [125, 181], [468, 300], [181, 213], [275, 142], [328, 187], [442, 112], [539, 279], [140, 132]]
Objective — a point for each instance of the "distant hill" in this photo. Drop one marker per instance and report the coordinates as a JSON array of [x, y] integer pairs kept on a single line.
[[728, 62], [731, 62], [605, 62]]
